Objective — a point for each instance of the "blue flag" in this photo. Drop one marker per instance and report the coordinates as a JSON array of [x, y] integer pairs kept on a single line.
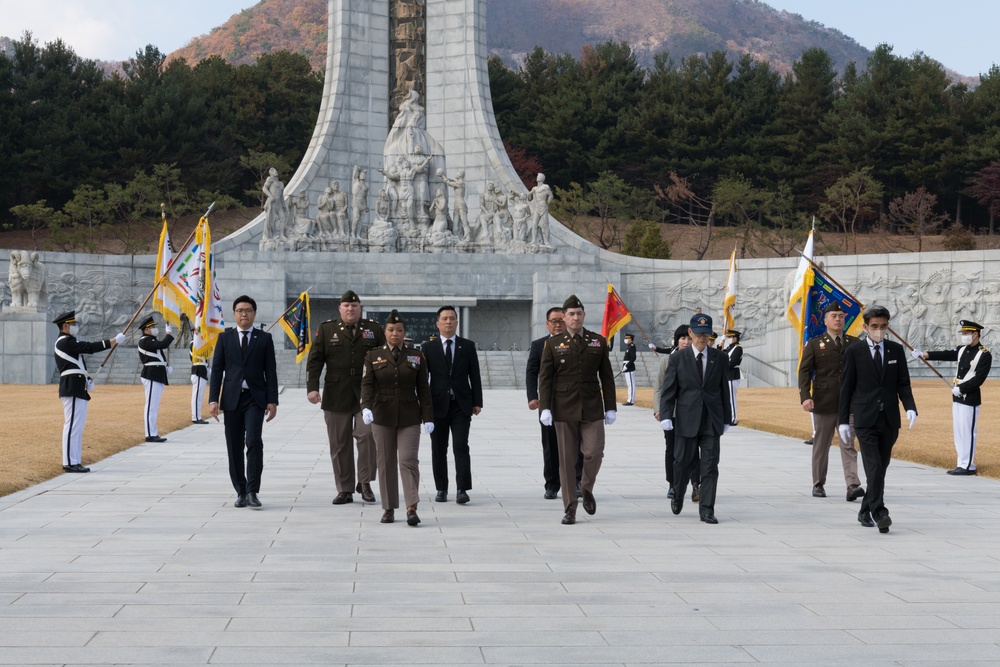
[[822, 292]]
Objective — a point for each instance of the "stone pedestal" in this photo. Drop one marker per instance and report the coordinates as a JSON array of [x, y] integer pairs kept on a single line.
[[26, 344]]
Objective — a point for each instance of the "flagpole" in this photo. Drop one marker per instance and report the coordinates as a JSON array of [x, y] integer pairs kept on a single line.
[[902, 340], [153, 291], [285, 311]]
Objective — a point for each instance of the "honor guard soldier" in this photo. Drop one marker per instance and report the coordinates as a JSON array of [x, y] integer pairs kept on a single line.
[[734, 351], [341, 345], [576, 392], [154, 374], [628, 368], [199, 381], [74, 386], [974, 364]]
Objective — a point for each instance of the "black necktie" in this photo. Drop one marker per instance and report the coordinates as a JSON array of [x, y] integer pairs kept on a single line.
[[395, 353], [350, 331], [878, 360], [840, 346], [447, 355], [701, 371], [245, 341]]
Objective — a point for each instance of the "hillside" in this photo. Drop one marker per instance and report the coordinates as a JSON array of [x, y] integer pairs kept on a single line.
[[515, 27]]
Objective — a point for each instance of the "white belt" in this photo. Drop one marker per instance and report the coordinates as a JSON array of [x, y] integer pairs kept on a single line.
[[153, 363], [205, 365], [73, 371]]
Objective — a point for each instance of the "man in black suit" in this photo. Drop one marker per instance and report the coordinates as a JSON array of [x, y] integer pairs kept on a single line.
[[695, 391], [875, 380], [555, 322], [457, 394], [244, 371]]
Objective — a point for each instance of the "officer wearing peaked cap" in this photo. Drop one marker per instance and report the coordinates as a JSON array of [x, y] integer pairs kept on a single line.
[[154, 374], [340, 345], [576, 392], [75, 385], [974, 364]]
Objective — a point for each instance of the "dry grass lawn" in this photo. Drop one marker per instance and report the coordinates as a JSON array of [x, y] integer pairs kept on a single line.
[[32, 418], [777, 410]]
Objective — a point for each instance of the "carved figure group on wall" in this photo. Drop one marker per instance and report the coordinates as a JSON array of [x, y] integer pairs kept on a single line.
[[27, 280]]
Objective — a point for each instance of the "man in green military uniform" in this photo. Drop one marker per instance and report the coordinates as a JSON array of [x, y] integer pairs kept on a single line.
[[341, 345], [576, 392]]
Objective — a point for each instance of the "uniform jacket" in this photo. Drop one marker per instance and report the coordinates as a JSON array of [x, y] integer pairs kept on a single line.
[[575, 380], [971, 394], [735, 354], [464, 381], [684, 397], [820, 371], [230, 367], [154, 365], [628, 361], [866, 394], [534, 363], [397, 392], [344, 358], [75, 383]]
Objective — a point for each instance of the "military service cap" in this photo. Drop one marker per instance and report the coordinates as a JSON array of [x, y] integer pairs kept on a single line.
[[572, 302], [969, 325], [394, 318], [833, 307], [350, 297], [148, 322], [65, 318], [734, 333], [629, 336], [701, 324]]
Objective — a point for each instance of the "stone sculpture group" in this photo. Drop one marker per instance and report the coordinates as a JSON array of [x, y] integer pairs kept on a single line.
[[412, 213], [27, 280]]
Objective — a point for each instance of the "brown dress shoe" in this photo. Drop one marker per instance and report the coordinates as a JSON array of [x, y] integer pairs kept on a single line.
[[366, 492], [411, 516], [569, 518], [589, 502], [343, 498], [854, 491], [695, 493], [388, 516], [819, 491]]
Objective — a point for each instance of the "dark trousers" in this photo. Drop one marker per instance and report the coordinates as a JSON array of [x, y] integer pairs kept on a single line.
[[550, 454], [705, 445], [458, 423], [668, 461], [244, 426], [876, 451]]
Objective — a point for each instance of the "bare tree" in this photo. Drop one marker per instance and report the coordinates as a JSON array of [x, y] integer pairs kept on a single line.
[[683, 205], [914, 211], [850, 201], [986, 189]]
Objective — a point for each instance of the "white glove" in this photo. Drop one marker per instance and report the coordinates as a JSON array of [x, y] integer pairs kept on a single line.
[[912, 416], [609, 417], [624, 366], [845, 432], [652, 347], [725, 428], [170, 369], [90, 384], [667, 424], [955, 391], [119, 339], [167, 329], [366, 416], [428, 427], [546, 417], [916, 353]]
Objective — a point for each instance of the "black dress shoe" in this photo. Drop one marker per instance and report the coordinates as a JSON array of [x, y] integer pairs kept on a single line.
[[569, 518], [854, 491], [366, 492], [961, 471], [677, 503], [819, 491], [198, 421], [411, 516], [809, 441], [388, 516], [709, 518], [579, 492], [670, 492], [253, 501], [695, 493], [626, 403], [865, 519], [550, 494], [589, 502], [241, 501], [155, 438], [75, 467], [883, 523], [441, 497], [461, 497], [343, 498]]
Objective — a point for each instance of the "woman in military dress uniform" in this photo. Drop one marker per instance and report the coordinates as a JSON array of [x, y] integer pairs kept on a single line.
[[395, 399]]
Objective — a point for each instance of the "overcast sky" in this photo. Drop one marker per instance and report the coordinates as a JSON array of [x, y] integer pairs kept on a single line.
[[962, 34]]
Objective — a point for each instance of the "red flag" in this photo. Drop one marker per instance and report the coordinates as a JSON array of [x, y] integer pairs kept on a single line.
[[616, 314]]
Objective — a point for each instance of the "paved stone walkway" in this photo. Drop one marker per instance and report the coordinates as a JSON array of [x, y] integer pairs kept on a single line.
[[145, 561]]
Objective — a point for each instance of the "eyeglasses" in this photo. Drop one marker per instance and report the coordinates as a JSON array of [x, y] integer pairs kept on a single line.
[[243, 311], [556, 321]]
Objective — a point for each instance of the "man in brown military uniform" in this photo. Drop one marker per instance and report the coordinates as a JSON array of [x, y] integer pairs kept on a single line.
[[341, 346], [820, 372], [576, 391]]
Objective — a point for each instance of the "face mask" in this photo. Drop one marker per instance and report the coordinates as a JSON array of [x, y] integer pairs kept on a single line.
[[155, 331], [73, 330], [730, 341], [965, 339], [876, 335]]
